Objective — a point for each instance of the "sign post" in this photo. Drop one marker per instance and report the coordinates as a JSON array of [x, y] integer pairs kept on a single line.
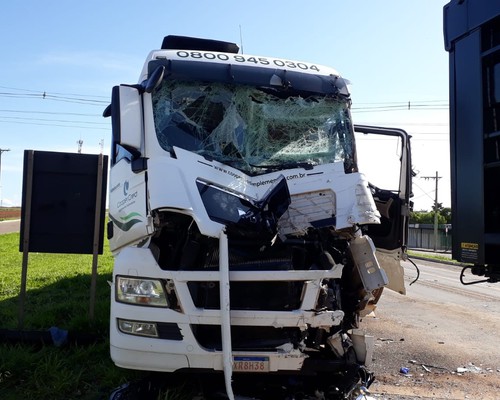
[[62, 210]]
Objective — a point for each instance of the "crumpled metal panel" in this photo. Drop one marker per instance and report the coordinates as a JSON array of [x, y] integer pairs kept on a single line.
[[312, 209]]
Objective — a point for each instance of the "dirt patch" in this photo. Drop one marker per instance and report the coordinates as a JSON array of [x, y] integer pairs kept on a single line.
[[10, 213], [449, 352], [437, 386]]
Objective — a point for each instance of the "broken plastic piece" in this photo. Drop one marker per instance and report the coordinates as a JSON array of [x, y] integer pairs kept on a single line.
[[470, 368], [245, 216], [59, 336], [363, 254], [364, 394], [365, 397], [363, 346]]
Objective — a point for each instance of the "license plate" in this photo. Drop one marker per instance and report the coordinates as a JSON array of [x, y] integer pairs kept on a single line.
[[250, 364]]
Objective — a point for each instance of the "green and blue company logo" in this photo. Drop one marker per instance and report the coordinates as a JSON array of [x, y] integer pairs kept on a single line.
[[129, 197], [126, 222]]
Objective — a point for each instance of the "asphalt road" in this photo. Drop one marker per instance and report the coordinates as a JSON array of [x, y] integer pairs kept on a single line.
[[445, 333], [10, 226]]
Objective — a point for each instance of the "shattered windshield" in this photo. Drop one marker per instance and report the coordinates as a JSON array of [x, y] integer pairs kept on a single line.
[[255, 130]]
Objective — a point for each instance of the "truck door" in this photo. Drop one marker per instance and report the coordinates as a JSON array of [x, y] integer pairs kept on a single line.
[[384, 156], [128, 213]]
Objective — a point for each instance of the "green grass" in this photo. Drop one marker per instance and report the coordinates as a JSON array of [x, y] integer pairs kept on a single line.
[[432, 256], [58, 289], [58, 294]]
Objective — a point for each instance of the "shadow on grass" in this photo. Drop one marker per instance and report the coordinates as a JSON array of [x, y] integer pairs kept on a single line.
[[64, 304], [31, 366]]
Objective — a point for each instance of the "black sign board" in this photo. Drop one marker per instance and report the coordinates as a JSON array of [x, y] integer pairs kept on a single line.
[[59, 201]]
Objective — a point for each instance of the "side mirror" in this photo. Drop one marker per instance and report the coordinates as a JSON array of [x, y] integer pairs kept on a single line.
[[126, 118], [154, 79], [107, 112]]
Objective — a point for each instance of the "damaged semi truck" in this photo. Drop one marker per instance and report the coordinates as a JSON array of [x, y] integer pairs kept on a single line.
[[245, 239]]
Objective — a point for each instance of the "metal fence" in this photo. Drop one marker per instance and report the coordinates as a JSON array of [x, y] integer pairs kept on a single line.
[[421, 236]]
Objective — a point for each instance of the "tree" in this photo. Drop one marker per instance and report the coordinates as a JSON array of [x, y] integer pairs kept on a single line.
[[427, 217], [446, 213]]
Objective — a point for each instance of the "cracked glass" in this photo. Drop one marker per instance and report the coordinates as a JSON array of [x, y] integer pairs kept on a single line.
[[255, 130]]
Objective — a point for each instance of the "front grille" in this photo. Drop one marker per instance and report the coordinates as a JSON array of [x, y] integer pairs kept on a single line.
[[263, 296], [251, 258], [246, 338]]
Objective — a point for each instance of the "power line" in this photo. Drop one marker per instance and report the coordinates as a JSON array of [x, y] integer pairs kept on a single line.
[[407, 103], [58, 93], [66, 123], [400, 106], [57, 125], [50, 112], [398, 102], [46, 96], [404, 123], [54, 120], [54, 96], [362, 110], [412, 133], [357, 107], [424, 192]]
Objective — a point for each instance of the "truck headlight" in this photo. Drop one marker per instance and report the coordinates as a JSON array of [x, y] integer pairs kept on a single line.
[[140, 291], [138, 328]]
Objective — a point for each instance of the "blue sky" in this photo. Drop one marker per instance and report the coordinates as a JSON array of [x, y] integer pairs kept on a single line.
[[74, 52]]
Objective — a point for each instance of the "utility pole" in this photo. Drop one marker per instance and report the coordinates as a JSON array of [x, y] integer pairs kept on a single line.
[[435, 208], [1, 151]]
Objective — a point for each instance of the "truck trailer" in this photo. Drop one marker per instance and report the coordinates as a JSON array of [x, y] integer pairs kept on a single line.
[[472, 38], [245, 238]]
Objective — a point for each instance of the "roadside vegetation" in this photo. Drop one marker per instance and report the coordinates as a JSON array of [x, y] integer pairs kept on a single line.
[[427, 217], [432, 256], [58, 295]]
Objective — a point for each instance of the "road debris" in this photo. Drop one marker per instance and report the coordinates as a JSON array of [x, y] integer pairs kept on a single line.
[[470, 368], [426, 366]]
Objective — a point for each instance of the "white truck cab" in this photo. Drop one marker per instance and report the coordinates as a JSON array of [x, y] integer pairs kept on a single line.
[[245, 238]]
